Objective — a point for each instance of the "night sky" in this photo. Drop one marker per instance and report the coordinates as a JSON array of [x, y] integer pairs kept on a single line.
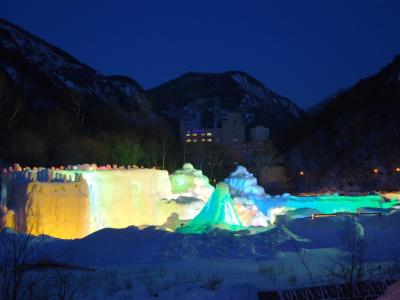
[[305, 50]]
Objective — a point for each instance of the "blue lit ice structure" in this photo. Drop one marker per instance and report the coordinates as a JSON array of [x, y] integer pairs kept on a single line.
[[243, 187]]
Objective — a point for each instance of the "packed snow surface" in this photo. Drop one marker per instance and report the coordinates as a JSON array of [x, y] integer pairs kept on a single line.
[[183, 266]]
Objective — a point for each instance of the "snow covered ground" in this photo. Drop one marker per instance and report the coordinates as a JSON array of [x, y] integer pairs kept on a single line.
[[151, 263]]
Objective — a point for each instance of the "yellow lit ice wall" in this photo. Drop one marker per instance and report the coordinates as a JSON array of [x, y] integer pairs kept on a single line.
[[121, 198], [58, 209]]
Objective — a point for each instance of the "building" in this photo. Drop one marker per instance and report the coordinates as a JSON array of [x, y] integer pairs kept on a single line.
[[201, 135], [233, 130], [259, 134]]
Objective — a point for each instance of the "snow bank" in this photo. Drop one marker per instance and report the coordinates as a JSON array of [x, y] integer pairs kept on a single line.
[[130, 245]]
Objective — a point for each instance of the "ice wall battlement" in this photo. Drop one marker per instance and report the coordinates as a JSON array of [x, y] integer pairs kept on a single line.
[[85, 199]]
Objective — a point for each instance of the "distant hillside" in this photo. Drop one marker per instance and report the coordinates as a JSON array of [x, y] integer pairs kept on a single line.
[[48, 98], [43, 71], [351, 134], [201, 94]]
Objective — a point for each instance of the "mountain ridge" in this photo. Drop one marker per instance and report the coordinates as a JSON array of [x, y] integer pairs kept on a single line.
[[355, 132], [230, 91]]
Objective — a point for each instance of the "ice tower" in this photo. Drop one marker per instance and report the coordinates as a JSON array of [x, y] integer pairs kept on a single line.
[[219, 212]]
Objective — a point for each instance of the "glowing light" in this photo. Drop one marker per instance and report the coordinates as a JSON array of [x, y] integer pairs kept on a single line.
[[181, 183], [398, 169], [376, 171], [301, 173]]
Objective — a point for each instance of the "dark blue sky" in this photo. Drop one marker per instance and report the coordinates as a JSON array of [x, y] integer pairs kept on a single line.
[[305, 50]]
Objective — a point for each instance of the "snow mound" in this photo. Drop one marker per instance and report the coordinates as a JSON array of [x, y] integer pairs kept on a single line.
[[110, 247]]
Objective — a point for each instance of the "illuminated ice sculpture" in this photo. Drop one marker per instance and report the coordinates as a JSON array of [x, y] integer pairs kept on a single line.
[[219, 212], [189, 182], [190, 191], [76, 201], [247, 197]]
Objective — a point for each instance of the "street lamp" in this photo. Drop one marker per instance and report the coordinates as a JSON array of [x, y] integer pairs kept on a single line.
[[302, 173], [397, 170], [375, 173]]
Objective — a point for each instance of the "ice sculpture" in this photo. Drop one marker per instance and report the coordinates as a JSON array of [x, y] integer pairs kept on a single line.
[[190, 191], [219, 212], [58, 209], [189, 182], [243, 184], [248, 197], [40, 205], [249, 214], [124, 197], [78, 200]]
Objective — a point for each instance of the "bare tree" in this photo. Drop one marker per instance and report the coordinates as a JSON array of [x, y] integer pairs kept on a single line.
[[302, 255], [351, 267], [73, 104], [166, 143], [263, 156], [17, 247]]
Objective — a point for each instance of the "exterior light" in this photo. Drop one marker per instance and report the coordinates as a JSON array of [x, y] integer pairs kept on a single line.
[[376, 171], [301, 173], [398, 169]]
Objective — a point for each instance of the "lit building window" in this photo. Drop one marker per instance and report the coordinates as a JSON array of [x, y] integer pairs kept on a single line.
[[187, 134], [194, 141], [188, 140], [209, 140], [194, 134], [203, 140], [203, 134], [208, 133]]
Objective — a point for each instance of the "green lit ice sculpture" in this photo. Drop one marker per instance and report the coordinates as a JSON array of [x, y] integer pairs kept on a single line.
[[219, 212]]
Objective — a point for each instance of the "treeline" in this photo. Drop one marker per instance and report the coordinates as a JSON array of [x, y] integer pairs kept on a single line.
[[72, 129], [348, 136]]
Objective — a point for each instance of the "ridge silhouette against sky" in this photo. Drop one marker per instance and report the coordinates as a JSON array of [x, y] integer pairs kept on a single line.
[[304, 50]]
